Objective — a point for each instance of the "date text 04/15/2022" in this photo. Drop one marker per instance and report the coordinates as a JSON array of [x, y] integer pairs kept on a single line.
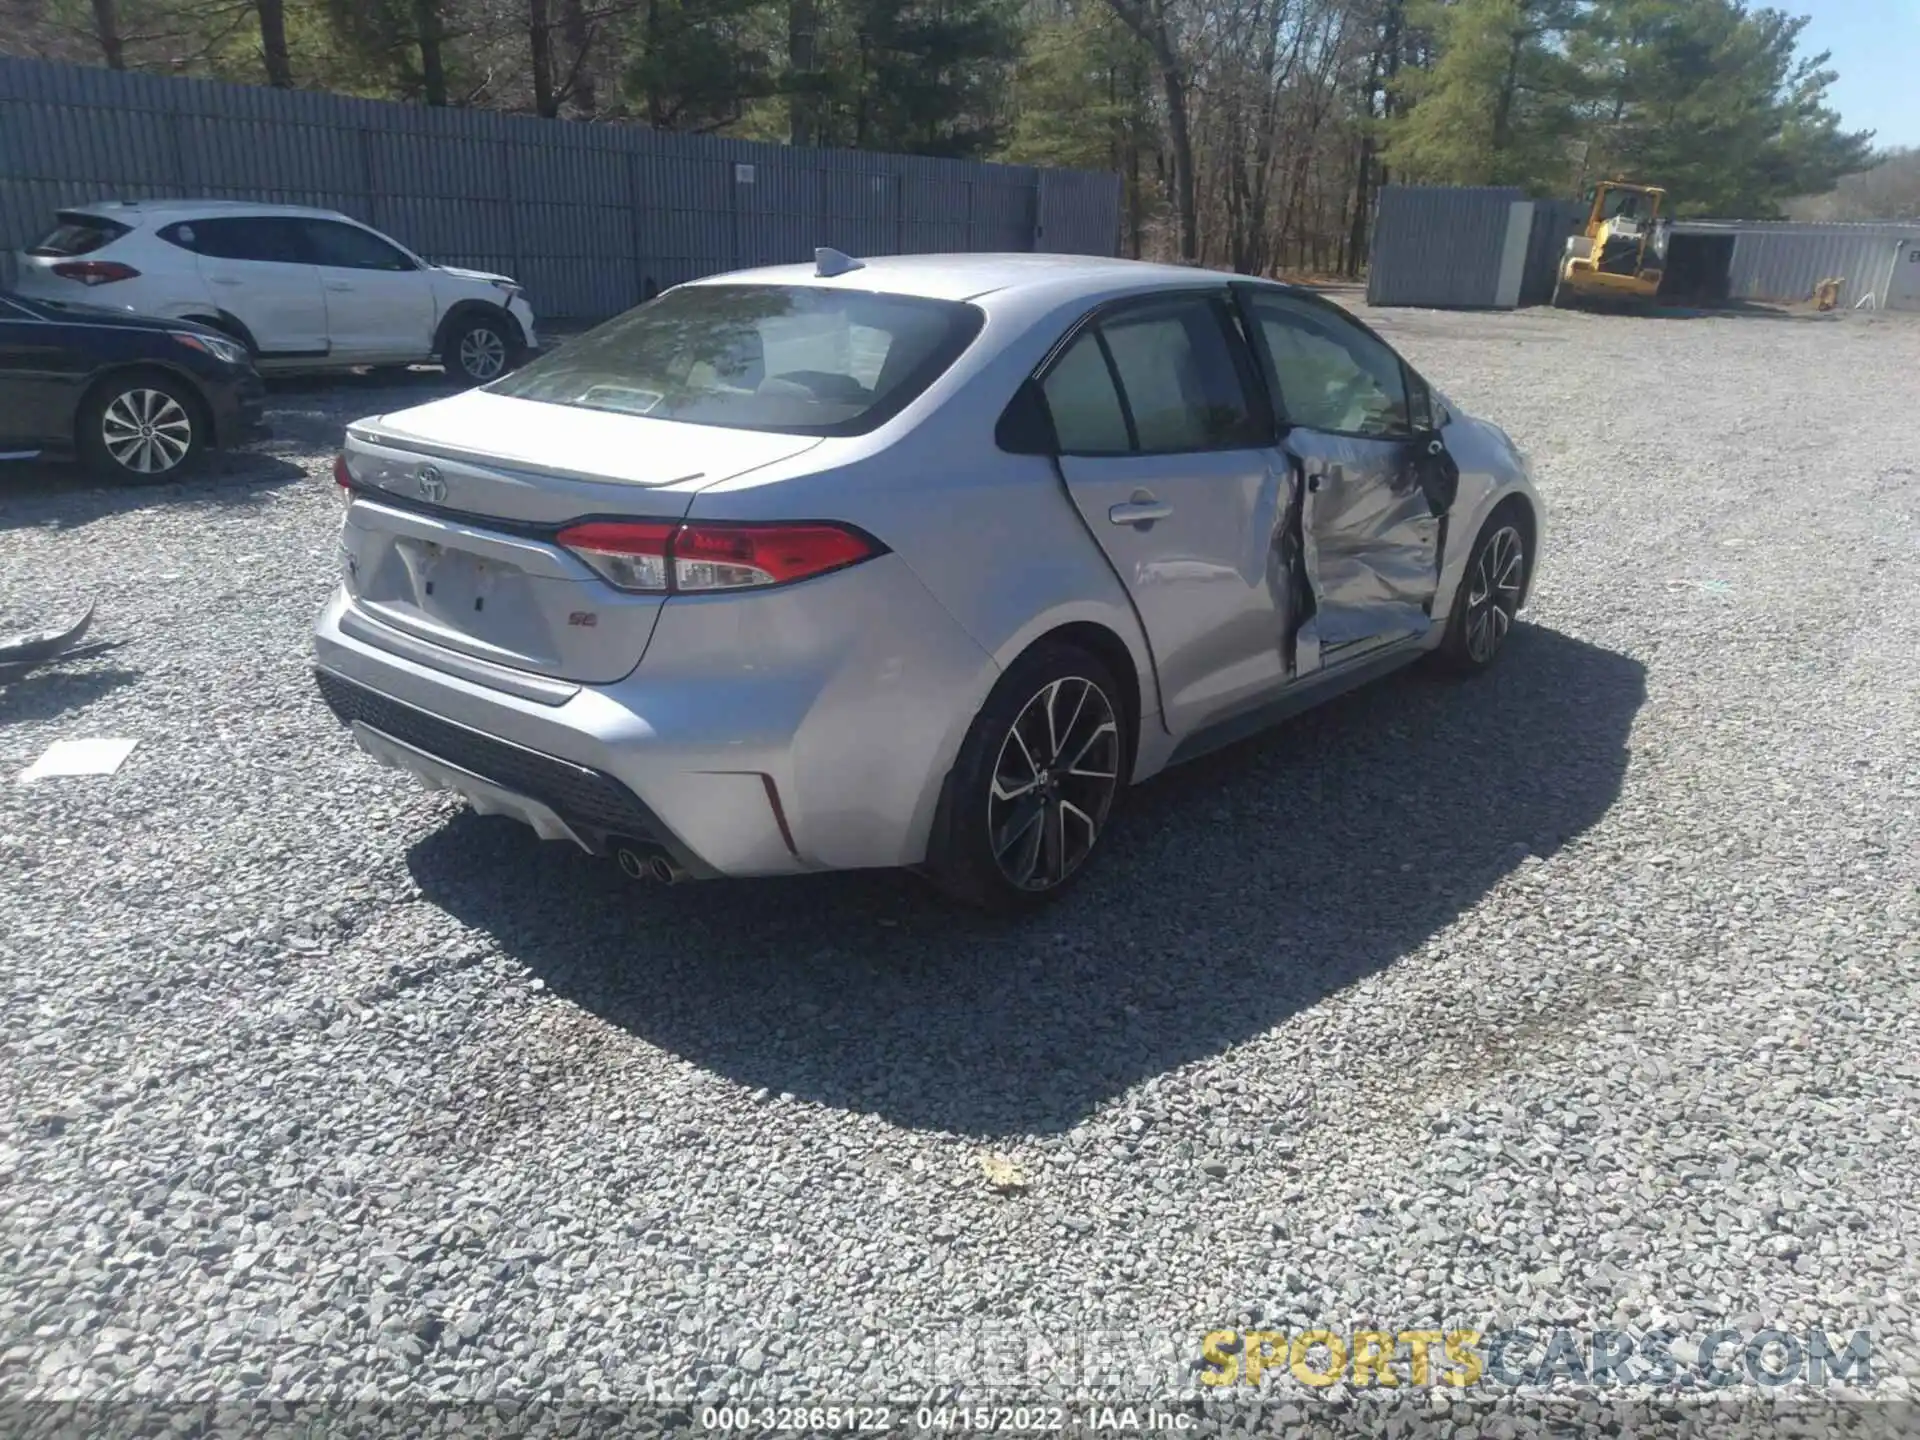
[[946, 1419]]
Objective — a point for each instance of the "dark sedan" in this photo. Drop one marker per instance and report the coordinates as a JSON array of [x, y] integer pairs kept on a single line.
[[135, 398]]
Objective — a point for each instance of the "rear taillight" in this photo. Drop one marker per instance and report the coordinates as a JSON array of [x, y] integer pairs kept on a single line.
[[662, 558], [342, 476], [631, 556], [95, 272]]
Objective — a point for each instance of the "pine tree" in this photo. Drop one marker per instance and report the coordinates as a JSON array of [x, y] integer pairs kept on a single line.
[[1496, 105], [1709, 100]]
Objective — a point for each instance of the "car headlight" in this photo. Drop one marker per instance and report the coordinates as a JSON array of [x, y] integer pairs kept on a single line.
[[513, 290], [228, 352]]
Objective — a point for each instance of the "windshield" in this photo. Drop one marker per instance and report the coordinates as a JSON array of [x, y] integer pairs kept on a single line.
[[798, 359], [1625, 205]]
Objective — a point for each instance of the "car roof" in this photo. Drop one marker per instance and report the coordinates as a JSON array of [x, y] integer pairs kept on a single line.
[[972, 276], [125, 210]]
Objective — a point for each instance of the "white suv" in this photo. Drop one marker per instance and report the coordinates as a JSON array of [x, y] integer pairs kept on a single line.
[[302, 288]]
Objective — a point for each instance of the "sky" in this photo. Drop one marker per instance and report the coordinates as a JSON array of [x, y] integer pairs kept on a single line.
[[1876, 50]]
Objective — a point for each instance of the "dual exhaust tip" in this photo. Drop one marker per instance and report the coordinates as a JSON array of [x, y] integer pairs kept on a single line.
[[645, 863]]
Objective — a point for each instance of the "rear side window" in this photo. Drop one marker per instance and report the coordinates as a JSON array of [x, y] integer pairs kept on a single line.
[[1087, 418], [1158, 378], [271, 239], [79, 234], [1179, 378], [797, 359]]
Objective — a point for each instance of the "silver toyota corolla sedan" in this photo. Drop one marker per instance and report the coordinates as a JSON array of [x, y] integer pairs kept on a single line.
[[912, 562]]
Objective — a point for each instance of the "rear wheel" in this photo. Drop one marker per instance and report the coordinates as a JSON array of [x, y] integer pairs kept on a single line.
[[142, 429], [1035, 783]]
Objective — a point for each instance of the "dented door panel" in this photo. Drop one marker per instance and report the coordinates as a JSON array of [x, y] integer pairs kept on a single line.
[[1370, 537]]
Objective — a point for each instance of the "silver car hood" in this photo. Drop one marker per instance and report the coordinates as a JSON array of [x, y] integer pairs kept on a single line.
[[596, 445]]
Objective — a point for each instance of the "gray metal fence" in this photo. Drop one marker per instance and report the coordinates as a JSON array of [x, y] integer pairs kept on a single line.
[[586, 216]]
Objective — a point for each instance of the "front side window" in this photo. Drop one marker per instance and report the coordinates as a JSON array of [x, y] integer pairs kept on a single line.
[[348, 247], [796, 359], [1332, 374]]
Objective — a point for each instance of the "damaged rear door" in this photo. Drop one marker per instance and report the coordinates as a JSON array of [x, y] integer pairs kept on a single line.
[[1374, 475]]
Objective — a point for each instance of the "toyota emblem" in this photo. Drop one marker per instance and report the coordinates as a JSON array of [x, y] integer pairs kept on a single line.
[[430, 483]]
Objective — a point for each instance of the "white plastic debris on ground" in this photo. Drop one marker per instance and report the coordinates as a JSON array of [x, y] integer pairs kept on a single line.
[[79, 757]]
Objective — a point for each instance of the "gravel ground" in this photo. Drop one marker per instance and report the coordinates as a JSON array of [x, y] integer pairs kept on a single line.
[[1582, 993]]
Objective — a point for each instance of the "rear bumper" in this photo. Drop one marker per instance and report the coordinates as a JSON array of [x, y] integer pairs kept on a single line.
[[559, 799], [807, 728]]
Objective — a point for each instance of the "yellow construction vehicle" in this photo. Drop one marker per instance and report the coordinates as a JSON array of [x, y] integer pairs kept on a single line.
[[1621, 255]]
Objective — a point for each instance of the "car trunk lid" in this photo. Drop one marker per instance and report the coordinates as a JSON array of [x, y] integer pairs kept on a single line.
[[449, 536]]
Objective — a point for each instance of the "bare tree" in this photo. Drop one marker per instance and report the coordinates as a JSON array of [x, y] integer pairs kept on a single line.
[[540, 44], [803, 19], [429, 31], [577, 29], [273, 43], [106, 30], [1151, 22]]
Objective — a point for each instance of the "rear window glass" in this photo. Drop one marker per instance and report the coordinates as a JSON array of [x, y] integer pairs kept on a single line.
[[798, 359], [78, 234]]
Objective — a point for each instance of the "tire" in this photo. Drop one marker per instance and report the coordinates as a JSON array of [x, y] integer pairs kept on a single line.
[[142, 428], [1489, 596], [1024, 806], [480, 349]]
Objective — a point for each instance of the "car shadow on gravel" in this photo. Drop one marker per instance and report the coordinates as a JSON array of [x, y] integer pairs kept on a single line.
[[45, 693], [66, 496], [1232, 893]]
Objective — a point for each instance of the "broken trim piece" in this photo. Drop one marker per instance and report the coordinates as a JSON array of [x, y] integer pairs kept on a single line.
[[36, 648]]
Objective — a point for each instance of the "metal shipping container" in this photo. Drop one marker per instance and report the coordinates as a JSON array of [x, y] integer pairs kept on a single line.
[[1783, 261], [1553, 222], [1441, 246]]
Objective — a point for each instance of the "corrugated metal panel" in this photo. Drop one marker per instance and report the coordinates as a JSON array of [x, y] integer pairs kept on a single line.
[[1439, 245], [590, 217], [1076, 213], [1785, 261], [1553, 222]]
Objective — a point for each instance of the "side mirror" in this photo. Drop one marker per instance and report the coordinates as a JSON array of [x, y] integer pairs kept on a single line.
[[1026, 425]]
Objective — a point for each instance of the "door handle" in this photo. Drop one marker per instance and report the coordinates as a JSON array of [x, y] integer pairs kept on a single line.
[[1140, 512], [224, 279], [338, 285]]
